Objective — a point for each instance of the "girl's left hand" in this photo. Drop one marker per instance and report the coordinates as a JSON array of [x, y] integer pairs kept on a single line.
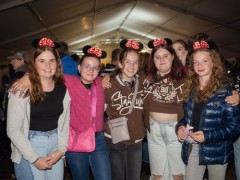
[[233, 99], [54, 157], [106, 82], [197, 136]]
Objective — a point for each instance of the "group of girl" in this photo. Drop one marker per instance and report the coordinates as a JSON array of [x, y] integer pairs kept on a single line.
[[45, 112]]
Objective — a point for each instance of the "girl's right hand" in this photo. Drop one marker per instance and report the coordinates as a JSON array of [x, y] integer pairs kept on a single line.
[[21, 85], [106, 82], [181, 133], [42, 163]]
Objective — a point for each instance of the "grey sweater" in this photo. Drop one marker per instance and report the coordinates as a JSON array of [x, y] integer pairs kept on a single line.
[[18, 123]]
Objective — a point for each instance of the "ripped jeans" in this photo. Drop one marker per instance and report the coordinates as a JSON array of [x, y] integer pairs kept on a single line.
[[164, 150]]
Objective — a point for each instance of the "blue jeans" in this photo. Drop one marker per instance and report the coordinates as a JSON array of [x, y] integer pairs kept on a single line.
[[45, 143], [23, 170], [237, 157], [126, 160], [98, 160]]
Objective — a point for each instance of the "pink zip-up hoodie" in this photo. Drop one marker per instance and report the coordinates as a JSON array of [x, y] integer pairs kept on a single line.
[[81, 100]]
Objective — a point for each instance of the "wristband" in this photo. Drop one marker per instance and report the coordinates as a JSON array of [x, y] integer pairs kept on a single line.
[[35, 161]]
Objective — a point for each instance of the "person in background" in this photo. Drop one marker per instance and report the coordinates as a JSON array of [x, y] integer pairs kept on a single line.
[[19, 62], [181, 49], [114, 63], [126, 156], [210, 124], [69, 65], [38, 123], [80, 89], [75, 57]]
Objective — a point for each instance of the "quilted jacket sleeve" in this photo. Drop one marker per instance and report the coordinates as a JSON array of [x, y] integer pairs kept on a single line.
[[230, 127]]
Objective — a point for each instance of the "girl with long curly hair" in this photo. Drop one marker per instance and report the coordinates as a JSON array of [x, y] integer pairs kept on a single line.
[[210, 124]]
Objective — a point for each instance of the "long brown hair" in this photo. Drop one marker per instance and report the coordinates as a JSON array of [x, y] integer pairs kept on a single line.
[[216, 78], [37, 93]]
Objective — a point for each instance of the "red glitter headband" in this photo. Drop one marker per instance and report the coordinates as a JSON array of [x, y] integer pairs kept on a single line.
[[133, 44], [95, 51], [46, 42], [157, 42], [200, 45]]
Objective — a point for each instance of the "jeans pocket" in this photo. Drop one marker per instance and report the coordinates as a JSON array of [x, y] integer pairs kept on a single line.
[[171, 133]]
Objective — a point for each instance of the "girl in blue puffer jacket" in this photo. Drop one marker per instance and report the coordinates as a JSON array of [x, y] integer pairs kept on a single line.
[[210, 124]]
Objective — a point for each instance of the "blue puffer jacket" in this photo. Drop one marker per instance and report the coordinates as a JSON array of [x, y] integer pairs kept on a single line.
[[220, 123]]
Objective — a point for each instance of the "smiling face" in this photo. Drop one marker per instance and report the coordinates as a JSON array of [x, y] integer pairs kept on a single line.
[[163, 60], [89, 69], [129, 66], [46, 65], [202, 64]]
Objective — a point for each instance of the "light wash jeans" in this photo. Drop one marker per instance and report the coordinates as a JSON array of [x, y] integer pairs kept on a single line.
[[98, 160], [237, 157], [23, 170], [164, 150], [196, 171], [45, 143]]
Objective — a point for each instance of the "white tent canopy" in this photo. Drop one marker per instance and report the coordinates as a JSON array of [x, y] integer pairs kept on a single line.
[[93, 22]]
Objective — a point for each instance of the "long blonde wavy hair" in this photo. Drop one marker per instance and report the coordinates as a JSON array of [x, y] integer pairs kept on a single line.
[[216, 78]]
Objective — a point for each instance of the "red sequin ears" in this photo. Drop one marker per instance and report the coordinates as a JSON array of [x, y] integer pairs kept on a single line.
[[133, 44], [157, 42], [46, 42], [200, 45], [95, 51]]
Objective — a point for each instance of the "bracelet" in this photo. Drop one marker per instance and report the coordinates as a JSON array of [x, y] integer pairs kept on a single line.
[[35, 161]]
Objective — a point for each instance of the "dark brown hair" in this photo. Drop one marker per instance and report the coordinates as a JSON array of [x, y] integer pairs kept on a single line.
[[176, 72]]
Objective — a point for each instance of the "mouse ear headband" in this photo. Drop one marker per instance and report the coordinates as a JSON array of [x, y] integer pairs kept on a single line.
[[41, 42], [200, 45], [128, 44], [89, 50], [204, 45], [158, 42]]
